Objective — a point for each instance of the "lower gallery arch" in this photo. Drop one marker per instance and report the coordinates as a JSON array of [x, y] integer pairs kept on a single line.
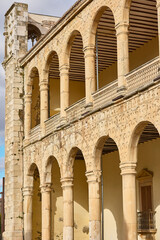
[[148, 180], [56, 199], [111, 187], [81, 216], [36, 203]]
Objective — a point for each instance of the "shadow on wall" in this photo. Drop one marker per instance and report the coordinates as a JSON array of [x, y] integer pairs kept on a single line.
[[148, 157], [113, 213]]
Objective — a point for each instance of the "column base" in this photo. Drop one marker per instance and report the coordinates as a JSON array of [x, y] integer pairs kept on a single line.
[[16, 235], [94, 230], [68, 233]]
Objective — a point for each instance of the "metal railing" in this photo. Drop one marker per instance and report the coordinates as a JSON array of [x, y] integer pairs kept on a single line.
[[146, 221]]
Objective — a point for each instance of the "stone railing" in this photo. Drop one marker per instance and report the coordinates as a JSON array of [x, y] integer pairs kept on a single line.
[[105, 94], [75, 110], [52, 123], [35, 133], [142, 75], [136, 79]]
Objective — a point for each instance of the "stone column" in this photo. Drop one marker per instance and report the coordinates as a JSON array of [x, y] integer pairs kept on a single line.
[[68, 209], [94, 205], [128, 173], [27, 195], [43, 104], [64, 89], [46, 211], [90, 82], [158, 16], [27, 121], [122, 54]]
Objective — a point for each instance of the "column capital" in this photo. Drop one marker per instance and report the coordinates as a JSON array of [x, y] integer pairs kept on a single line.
[[47, 187], [27, 191], [28, 98], [43, 85], [128, 168], [64, 68], [89, 51], [158, 5], [122, 28], [93, 176], [67, 182]]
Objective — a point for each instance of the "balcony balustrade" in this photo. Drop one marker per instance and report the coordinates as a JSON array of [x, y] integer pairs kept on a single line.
[[136, 79], [35, 133], [52, 123], [142, 75], [105, 94]]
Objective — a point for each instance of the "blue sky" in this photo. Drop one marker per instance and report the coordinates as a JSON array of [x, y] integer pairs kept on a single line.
[[48, 7]]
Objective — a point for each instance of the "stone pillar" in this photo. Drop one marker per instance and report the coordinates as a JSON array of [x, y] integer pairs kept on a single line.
[[128, 173], [122, 54], [68, 209], [46, 211], [158, 16], [27, 195], [27, 121], [94, 205], [64, 89], [90, 82], [43, 104]]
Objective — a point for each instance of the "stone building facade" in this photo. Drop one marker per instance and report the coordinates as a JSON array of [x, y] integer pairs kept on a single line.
[[83, 122]]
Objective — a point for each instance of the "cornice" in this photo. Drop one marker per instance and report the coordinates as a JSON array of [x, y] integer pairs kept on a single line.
[[61, 23]]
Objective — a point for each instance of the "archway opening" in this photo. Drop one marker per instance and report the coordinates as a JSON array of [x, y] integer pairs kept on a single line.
[[36, 207], [111, 186], [106, 48], [34, 35], [35, 104], [143, 32], [77, 69], [148, 182], [54, 85], [56, 201], [81, 215]]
